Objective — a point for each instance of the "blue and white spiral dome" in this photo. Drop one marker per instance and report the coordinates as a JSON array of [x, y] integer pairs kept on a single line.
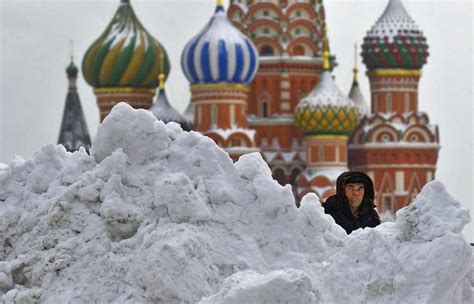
[[219, 53]]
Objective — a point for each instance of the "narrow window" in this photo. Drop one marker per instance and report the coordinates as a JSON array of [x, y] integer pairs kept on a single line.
[[264, 112], [407, 102], [389, 102], [266, 50], [232, 115], [214, 115]]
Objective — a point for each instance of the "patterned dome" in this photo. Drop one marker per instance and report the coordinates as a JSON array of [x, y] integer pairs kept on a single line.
[[125, 55], [394, 41], [219, 53], [326, 110]]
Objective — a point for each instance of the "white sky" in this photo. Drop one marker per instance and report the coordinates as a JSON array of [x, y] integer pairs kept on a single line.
[[34, 53]]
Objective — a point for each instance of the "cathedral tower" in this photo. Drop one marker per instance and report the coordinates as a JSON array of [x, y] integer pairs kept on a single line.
[[73, 133], [288, 35], [395, 144], [327, 117], [220, 62]]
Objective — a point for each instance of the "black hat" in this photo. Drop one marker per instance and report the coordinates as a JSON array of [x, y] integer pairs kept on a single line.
[[356, 178]]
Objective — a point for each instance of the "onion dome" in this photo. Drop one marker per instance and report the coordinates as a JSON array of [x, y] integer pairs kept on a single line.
[[355, 94], [125, 55], [394, 41], [326, 110], [163, 110], [219, 53], [72, 70]]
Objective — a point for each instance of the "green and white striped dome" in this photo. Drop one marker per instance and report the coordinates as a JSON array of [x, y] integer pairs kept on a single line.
[[125, 55]]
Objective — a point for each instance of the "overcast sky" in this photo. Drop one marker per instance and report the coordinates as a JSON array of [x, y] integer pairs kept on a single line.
[[34, 53]]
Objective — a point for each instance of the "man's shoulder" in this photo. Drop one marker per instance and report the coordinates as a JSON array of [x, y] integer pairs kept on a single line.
[[332, 204]]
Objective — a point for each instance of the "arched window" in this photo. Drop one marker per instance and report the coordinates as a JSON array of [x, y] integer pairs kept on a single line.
[[266, 50], [279, 176], [264, 108], [294, 175], [298, 50], [236, 142]]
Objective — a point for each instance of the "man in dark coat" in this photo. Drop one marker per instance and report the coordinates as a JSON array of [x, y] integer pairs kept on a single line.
[[352, 207]]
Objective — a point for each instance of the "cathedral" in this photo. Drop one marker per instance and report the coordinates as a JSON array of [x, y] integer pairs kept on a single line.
[[260, 77]]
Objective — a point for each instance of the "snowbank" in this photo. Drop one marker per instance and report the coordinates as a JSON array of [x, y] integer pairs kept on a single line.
[[159, 215]]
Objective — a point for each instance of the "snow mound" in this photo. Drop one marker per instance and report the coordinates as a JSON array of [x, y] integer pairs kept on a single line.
[[158, 215]]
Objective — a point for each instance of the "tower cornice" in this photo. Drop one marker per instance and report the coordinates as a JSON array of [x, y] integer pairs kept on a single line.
[[394, 72], [123, 90]]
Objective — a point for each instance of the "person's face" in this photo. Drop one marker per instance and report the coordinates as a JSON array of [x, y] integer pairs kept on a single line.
[[354, 193]]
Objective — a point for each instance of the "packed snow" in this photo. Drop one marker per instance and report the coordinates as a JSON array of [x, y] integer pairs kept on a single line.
[[158, 215]]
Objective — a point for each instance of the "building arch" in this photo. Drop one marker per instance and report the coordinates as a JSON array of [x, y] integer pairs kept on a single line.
[[309, 46], [310, 27], [357, 136], [383, 133], [307, 8], [418, 133], [265, 30], [217, 138], [242, 137], [260, 41], [321, 181], [263, 5], [324, 196], [236, 13], [265, 23]]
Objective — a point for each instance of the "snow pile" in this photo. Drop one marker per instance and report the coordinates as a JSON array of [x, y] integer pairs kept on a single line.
[[158, 215]]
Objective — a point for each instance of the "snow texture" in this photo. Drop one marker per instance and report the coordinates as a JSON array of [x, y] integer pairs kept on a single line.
[[159, 215]]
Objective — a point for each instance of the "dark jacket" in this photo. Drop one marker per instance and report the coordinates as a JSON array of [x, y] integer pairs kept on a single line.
[[338, 206]]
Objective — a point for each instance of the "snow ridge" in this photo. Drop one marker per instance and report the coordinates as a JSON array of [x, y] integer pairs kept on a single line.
[[159, 215]]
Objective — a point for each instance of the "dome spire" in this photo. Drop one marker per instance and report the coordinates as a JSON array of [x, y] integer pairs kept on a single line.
[[355, 93], [161, 77], [355, 69], [220, 5], [71, 50], [326, 55]]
